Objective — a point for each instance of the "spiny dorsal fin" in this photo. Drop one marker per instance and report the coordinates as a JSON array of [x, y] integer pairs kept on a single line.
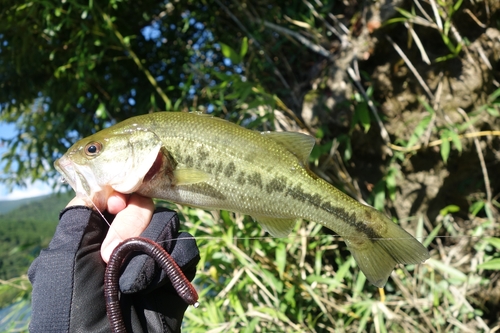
[[186, 176], [275, 226], [297, 143]]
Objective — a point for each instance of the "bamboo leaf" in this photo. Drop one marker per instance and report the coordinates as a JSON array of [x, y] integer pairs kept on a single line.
[[445, 146], [236, 304], [432, 235], [244, 47], [281, 259], [495, 241], [454, 274], [230, 53], [456, 140]]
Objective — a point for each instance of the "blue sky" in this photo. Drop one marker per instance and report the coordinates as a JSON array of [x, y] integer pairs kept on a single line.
[[33, 190]]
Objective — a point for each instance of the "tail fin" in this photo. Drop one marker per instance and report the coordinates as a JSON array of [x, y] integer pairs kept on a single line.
[[377, 257]]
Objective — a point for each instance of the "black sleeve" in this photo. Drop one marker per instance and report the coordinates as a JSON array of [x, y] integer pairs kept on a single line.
[[67, 278]]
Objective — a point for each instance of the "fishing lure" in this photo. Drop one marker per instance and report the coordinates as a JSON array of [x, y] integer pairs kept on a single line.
[[181, 284]]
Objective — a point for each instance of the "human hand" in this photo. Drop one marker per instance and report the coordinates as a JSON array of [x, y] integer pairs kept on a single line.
[[133, 214], [68, 276]]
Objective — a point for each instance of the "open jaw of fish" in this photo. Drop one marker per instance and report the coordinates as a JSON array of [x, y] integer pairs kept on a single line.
[[212, 164]]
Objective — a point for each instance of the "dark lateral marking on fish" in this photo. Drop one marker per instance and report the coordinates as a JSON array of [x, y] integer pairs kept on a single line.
[[298, 194], [206, 190], [229, 170], [218, 168], [255, 179], [189, 161], [209, 166], [315, 199], [241, 178], [278, 184], [202, 155], [351, 220]]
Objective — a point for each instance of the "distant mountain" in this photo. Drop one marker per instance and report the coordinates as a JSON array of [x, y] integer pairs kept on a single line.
[[8, 205], [26, 228], [45, 207]]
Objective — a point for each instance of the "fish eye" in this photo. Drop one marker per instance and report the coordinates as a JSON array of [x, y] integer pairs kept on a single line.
[[93, 148]]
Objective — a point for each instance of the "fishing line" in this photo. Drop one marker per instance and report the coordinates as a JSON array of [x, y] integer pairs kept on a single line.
[[292, 237], [64, 181], [104, 218], [271, 238]]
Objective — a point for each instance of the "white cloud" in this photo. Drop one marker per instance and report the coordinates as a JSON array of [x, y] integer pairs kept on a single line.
[[32, 190]]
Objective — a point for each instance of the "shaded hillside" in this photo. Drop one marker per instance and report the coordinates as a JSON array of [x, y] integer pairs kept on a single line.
[[9, 205], [24, 231]]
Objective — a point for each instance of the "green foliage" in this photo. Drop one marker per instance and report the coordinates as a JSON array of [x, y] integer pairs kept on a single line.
[[235, 57], [442, 22], [90, 64], [15, 293], [494, 262], [361, 112], [70, 68]]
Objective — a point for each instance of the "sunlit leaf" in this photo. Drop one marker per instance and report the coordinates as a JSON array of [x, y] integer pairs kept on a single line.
[[493, 264], [244, 47], [493, 111], [476, 207], [449, 209], [419, 131], [230, 53], [363, 115], [379, 196], [494, 96], [391, 182], [445, 146], [281, 258], [452, 272], [495, 241]]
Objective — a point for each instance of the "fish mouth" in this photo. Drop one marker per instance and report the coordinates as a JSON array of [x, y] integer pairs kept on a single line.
[[67, 171], [76, 177]]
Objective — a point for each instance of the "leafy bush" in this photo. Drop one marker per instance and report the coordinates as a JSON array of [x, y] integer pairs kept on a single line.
[[403, 99]]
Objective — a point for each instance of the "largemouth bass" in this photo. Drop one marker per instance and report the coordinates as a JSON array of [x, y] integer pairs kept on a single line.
[[210, 163]]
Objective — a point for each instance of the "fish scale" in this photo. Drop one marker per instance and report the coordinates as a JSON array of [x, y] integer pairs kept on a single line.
[[209, 163]]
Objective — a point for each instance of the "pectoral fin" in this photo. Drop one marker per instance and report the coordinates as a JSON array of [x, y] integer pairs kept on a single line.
[[275, 226], [186, 176]]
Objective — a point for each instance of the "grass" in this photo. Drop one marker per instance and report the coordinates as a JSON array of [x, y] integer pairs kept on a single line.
[[308, 282]]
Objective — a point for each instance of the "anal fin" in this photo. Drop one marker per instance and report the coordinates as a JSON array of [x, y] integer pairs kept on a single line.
[[275, 226]]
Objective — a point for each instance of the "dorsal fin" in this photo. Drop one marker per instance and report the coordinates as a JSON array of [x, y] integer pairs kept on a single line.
[[297, 143]]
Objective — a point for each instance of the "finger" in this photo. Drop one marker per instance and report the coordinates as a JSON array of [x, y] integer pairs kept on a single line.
[[117, 202], [130, 222], [76, 201]]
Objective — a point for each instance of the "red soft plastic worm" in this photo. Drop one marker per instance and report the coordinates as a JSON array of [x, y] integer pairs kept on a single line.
[[111, 277]]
